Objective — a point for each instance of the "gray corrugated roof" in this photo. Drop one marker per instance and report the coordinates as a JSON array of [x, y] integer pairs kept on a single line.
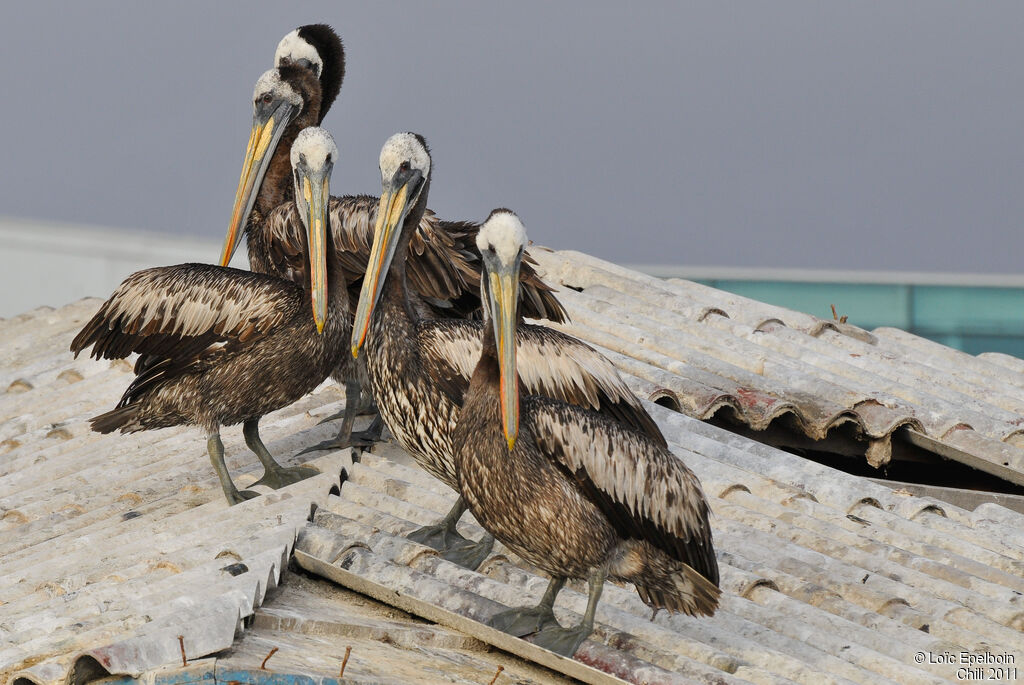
[[311, 623], [113, 546], [708, 349], [823, 572]]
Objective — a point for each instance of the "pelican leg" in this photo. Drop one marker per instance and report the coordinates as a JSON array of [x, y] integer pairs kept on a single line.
[[346, 437], [370, 436], [566, 641], [274, 475], [529, 620], [442, 535], [469, 554], [216, 450], [445, 539]]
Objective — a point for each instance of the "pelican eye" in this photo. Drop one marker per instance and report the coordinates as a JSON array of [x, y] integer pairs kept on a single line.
[[404, 166], [267, 98]]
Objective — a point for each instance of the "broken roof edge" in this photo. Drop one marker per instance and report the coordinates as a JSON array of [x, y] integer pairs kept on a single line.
[[992, 445]]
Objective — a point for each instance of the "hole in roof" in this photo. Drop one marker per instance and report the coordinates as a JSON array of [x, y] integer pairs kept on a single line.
[[759, 583], [735, 487], [87, 669], [930, 509], [909, 469], [667, 399]]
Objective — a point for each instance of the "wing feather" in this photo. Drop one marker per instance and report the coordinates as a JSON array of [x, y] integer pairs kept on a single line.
[[645, 491], [551, 364], [178, 311], [444, 261]]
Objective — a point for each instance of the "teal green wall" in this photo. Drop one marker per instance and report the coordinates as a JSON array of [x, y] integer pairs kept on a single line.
[[973, 319]]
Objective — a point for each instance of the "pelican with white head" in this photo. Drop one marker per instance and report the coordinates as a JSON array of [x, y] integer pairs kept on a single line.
[[277, 101], [312, 156], [501, 240], [318, 48], [404, 173]]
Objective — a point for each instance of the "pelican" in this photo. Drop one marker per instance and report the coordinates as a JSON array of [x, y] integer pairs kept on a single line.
[[419, 368], [223, 346], [318, 48], [568, 490], [443, 267]]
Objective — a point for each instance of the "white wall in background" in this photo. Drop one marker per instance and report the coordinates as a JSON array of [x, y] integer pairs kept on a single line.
[[52, 264]]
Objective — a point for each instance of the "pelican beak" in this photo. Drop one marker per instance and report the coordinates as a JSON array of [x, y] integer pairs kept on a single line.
[[316, 193], [502, 300], [397, 197], [267, 128]]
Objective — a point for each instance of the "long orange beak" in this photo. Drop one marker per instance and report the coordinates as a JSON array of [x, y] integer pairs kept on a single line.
[[316, 192], [503, 298], [263, 140], [395, 201]]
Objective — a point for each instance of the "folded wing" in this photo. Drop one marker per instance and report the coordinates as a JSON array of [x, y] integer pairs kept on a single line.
[[645, 491], [178, 311]]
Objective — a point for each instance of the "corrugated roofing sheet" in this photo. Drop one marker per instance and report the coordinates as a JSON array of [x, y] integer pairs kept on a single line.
[[707, 349], [113, 546]]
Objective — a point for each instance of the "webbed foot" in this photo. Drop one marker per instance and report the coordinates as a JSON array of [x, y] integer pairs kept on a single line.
[[285, 475], [358, 439], [239, 496], [441, 537], [564, 641], [468, 553], [520, 622]]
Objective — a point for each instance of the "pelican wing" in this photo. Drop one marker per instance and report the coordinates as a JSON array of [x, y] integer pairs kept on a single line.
[[178, 311], [286, 245], [645, 491], [550, 363], [436, 267], [444, 262]]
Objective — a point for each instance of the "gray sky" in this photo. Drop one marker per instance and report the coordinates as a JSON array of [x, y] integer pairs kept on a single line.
[[855, 135]]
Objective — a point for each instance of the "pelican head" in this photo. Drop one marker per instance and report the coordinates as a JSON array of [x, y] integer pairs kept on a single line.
[[404, 173], [317, 48], [312, 156], [501, 241], [279, 97]]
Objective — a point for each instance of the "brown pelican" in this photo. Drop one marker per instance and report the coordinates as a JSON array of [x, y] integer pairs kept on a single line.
[[419, 368], [318, 48], [570, 491], [443, 267], [223, 346]]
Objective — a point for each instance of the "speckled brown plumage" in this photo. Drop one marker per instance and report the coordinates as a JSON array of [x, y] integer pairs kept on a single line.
[[579, 491], [444, 261], [277, 187], [224, 345], [419, 369], [443, 265]]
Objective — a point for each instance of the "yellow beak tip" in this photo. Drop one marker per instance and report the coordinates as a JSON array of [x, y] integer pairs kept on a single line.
[[319, 327], [511, 440], [355, 353]]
